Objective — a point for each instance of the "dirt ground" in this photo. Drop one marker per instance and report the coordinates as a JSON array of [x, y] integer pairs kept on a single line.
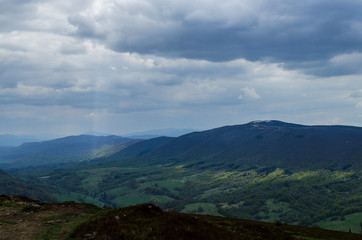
[[22, 218]]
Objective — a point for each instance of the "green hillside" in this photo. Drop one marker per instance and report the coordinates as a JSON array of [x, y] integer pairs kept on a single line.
[[266, 144], [268, 171], [12, 186], [141, 148]]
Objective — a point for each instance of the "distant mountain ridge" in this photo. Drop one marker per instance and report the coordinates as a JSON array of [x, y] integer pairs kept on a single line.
[[67, 149], [255, 144], [13, 140], [166, 132], [263, 144]]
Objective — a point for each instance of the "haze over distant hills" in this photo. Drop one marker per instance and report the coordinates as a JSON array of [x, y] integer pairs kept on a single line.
[[165, 132], [61, 150], [16, 140], [21, 151], [258, 143], [11, 140]]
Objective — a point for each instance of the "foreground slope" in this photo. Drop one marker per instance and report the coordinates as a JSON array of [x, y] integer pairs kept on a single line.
[[22, 218]]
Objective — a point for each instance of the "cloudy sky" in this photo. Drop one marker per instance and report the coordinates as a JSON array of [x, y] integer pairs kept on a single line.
[[121, 66]]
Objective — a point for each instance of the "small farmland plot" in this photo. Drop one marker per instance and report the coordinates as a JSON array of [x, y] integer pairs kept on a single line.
[[172, 185], [201, 208], [351, 221]]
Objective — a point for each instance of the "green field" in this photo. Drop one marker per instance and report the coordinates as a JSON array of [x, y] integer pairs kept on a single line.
[[201, 208], [77, 198], [172, 185], [352, 221], [94, 176], [124, 196], [305, 198]]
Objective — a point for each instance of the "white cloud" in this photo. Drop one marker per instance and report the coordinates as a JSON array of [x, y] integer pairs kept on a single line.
[[249, 93], [111, 63]]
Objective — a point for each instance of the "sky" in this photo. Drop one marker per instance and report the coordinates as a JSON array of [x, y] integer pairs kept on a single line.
[[122, 66]]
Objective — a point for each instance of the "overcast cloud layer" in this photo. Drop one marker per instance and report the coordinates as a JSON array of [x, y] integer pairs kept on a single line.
[[68, 67]]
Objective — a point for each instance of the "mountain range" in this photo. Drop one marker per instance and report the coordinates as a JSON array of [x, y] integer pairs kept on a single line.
[[262, 170], [7, 140], [165, 132], [257, 144], [62, 150]]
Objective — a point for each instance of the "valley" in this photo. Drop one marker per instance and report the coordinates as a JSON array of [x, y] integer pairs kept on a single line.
[[266, 171], [301, 198]]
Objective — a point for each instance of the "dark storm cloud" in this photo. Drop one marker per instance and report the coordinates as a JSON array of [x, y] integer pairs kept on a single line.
[[284, 31]]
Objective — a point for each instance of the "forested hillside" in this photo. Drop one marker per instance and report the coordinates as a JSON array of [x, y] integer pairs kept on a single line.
[[12, 186], [268, 171], [267, 144]]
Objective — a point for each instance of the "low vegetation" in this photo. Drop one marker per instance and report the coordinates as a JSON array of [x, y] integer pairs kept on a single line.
[[23, 218], [306, 198]]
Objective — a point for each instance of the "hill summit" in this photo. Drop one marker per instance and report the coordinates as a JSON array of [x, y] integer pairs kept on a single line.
[[260, 144]]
